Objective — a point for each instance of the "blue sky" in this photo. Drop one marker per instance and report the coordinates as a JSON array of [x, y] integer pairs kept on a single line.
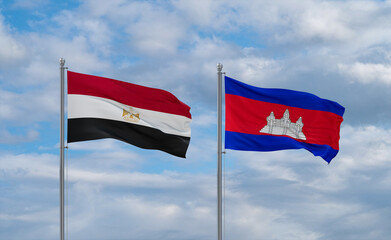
[[339, 50]]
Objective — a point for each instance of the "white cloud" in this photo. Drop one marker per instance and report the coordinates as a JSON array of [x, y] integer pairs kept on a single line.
[[29, 166], [204, 14], [94, 30], [368, 146], [268, 195], [205, 119], [115, 190], [171, 218], [349, 23], [323, 21], [161, 38], [21, 108], [8, 138], [135, 180], [157, 32], [210, 15], [42, 68], [88, 170], [256, 222], [42, 216], [367, 73], [363, 153], [11, 49], [96, 146], [76, 51], [151, 29], [252, 69]]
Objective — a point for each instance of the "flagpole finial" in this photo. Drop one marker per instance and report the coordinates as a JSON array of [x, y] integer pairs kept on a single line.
[[219, 67], [62, 61]]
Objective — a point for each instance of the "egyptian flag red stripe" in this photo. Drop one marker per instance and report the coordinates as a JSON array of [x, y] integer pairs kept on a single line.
[[146, 117], [126, 93]]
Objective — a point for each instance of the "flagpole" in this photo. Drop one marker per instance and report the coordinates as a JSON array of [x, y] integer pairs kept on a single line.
[[219, 152], [62, 70]]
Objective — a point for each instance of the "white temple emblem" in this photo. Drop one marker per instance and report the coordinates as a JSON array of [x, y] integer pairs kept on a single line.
[[284, 126]]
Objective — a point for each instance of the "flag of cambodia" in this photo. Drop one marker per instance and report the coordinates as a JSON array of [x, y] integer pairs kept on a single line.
[[261, 119]]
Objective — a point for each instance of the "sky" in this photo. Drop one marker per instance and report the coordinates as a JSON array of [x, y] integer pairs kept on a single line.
[[336, 49]]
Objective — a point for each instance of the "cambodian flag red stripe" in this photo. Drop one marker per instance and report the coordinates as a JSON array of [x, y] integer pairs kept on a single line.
[[248, 108], [145, 117]]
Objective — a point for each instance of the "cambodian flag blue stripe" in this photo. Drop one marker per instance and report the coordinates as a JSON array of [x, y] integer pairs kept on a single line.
[[264, 143], [286, 97]]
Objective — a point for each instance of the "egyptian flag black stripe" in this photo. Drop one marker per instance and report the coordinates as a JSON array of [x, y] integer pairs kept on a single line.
[[145, 117], [83, 129]]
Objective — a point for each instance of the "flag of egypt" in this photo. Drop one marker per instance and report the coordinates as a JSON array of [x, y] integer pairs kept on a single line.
[[146, 117]]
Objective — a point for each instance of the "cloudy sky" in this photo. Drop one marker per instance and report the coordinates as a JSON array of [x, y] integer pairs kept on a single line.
[[339, 50]]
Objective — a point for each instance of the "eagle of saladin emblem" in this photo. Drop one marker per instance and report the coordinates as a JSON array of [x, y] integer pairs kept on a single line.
[[130, 115]]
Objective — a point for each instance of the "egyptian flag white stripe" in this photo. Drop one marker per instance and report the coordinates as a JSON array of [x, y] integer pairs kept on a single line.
[[145, 117], [84, 106]]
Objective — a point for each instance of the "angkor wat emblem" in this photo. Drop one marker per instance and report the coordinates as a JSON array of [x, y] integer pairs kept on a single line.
[[284, 126]]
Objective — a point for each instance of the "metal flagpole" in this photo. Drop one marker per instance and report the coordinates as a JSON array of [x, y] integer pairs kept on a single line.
[[62, 70], [219, 152]]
